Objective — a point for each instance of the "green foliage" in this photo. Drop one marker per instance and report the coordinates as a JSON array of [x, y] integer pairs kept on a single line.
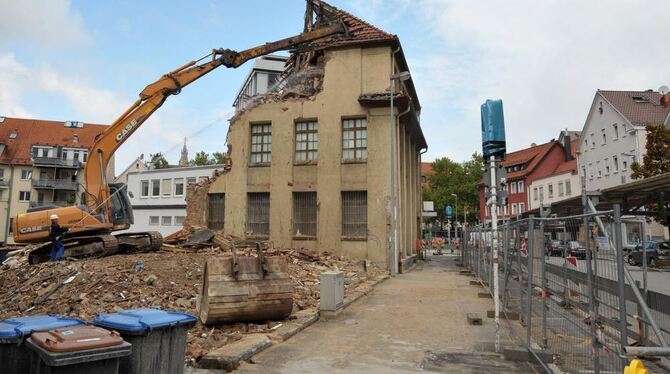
[[158, 161], [219, 157], [657, 159], [461, 179], [201, 159]]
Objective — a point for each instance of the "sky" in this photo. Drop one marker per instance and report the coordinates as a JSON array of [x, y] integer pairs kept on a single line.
[[88, 60]]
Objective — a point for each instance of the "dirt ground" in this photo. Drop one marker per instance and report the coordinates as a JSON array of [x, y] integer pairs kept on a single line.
[[165, 279]]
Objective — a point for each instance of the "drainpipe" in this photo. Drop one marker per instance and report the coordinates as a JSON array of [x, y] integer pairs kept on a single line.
[[392, 142], [9, 202]]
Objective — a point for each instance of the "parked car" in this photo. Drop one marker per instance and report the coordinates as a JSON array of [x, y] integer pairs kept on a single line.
[[576, 250], [656, 252], [556, 248]]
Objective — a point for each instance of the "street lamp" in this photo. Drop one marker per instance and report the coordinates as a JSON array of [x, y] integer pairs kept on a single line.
[[455, 216], [402, 76]]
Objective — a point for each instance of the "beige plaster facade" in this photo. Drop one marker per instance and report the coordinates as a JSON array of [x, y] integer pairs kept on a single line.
[[348, 75]]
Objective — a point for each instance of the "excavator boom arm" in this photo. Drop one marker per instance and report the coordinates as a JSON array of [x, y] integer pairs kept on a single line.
[[155, 94]]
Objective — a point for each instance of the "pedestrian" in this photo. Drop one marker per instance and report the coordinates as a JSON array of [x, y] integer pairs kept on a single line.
[[56, 235]]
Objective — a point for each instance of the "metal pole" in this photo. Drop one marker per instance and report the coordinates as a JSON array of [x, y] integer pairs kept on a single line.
[[517, 244], [620, 275], [589, 279], [508, 266], [529, 266], [394, 209], [543, 276], [494, 248], [643, 234]]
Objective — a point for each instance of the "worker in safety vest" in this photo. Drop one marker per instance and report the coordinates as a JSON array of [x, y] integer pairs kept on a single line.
[[56, 235]]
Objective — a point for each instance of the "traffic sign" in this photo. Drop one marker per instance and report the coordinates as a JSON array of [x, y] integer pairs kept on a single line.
[[448, 211]]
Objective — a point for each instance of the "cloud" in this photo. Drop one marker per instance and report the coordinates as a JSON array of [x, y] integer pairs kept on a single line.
[[12, 78], [545, 59], [49, 23]]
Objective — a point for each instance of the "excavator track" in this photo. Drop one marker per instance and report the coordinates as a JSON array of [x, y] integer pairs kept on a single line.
[[100, 245], [78, 246]]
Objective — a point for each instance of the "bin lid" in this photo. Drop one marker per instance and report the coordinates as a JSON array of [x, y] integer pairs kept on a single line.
[[78, 338], [142, 320], [21, 327]]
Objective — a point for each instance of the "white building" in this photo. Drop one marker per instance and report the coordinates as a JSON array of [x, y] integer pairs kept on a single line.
[[614, 136], [563, 183], [158, 196], [262, 77]]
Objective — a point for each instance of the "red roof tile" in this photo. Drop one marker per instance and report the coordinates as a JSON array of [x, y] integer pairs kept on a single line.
[[360, 31], [427, 168], [530, 156], [569, 166], [638, 113], [31, 132]]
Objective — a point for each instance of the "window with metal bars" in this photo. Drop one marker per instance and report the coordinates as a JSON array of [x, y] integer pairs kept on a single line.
[[306, 141], [258, 214], [304, 214], [354, 139], [354, 214], [216, 206], [261, 143]]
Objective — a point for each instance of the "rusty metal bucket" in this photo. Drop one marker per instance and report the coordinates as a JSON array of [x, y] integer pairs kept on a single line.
[[245, 289]]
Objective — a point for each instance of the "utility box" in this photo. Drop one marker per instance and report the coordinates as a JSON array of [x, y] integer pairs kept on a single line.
[[332, 290]]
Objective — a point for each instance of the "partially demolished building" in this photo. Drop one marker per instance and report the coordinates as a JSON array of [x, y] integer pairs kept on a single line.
[[310, 161]]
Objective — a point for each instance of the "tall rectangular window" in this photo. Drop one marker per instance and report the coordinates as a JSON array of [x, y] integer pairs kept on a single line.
[[304, 214], [355, 139], [615, 161], [166, 187], [261, 143], [24, 195], [155, 187], [550, 190], [568, 188], [561, 189], [26, 174], [179, 186], [514, 209], [541, 193], [355, 214], [216, 207], [522, 207], [535, 193], [520, 186], [513, 187], [616, 131], [144, 188], [258, 213], [306, 141]]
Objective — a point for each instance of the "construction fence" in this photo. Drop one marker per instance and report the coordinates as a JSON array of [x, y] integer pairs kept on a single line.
[[566, 280]]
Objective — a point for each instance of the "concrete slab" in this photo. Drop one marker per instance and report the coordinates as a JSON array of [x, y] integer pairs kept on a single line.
[[229, 356]]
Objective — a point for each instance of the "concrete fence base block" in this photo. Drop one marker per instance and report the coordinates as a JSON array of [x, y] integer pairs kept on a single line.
[[328, 315], [475, 283], [512, 316], [484, 295], [474, 319], [522, 354], [229, 356]]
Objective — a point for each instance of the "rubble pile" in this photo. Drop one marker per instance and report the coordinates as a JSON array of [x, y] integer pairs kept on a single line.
[[168, 279]]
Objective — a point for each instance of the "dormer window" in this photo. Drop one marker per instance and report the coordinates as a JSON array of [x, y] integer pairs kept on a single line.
[[75, 138], [13, 135], [640, 99]]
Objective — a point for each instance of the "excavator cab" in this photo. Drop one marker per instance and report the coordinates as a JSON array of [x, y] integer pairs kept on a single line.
[[122, 212]]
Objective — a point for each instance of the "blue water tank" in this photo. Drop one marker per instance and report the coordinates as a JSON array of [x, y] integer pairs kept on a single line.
[[493, 129]]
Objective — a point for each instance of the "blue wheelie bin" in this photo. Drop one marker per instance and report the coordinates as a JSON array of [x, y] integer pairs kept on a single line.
[[14, 356], [158, 338]]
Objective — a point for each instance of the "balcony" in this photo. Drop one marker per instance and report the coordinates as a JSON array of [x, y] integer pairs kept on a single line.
[[55, 162], [4, 183], [54, 184], [41, 204]]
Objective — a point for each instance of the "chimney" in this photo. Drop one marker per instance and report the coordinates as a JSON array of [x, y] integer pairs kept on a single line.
[[665, 101], [567, 146]]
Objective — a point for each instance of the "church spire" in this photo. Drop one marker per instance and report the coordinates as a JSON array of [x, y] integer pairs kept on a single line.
[[183, 160]]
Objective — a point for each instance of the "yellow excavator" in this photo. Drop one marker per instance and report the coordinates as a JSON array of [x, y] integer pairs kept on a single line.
[[105, 207]]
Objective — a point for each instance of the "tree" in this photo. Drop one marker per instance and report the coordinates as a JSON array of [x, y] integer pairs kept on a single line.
[[461, 179], [219, 158], [657, 159], [158, 161], [201, 159]]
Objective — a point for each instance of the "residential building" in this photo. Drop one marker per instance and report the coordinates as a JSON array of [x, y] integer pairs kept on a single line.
[[563, 183], [522, 168], [42, 164], [614, 135], [311, 164], [264, 75], [426, 172], [138, 165], [158, 196]]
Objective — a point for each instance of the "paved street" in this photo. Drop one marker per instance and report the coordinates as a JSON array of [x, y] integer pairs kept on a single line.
[[413, 322]]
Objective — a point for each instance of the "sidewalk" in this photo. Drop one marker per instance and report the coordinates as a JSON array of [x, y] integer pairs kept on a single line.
[[413, 322]]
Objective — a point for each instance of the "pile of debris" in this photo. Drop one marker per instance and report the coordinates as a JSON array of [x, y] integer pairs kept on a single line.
[[169, 279]]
